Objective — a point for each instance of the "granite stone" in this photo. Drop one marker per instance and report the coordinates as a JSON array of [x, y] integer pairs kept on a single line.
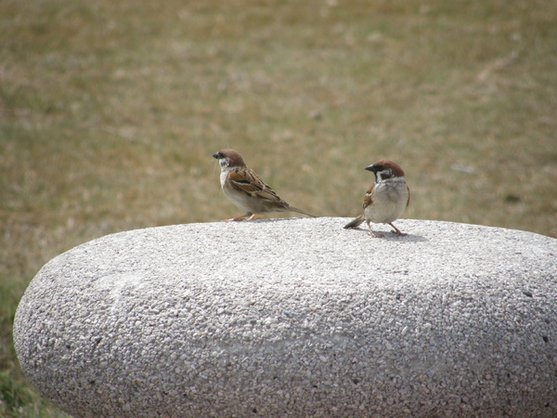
[[296, 317]]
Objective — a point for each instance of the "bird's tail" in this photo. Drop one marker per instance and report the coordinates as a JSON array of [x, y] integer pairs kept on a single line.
[[293, 209], [354, 223]]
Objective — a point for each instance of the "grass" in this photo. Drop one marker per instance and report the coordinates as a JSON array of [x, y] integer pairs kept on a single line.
[[109, 112]]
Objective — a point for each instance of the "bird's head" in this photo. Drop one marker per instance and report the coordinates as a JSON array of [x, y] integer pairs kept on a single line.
[[385, 169], [229, 158]]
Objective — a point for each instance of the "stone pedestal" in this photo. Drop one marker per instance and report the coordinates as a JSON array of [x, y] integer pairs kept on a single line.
[[296, 317]]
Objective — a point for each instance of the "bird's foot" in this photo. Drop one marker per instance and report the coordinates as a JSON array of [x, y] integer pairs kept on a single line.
[[371, 233], [236, 219], [396, 231], [240, 218], [399, 234]]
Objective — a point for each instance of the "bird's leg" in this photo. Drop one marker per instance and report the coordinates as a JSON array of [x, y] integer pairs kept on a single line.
[[242, 217], [251, 218], [371, 233], [396, 230]]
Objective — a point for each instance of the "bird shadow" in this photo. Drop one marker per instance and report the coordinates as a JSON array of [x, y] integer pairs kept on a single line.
[[387, 235], [266, 220], [392, 236]]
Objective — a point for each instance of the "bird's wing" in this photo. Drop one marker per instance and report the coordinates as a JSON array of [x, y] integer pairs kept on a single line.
[[248, 182], [368, 197]]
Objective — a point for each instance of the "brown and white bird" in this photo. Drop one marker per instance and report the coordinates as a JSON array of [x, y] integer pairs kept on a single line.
[[246, 190], [386, 199]]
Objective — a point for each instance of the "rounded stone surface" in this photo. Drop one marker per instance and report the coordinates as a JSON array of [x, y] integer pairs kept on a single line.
[[296, 317]]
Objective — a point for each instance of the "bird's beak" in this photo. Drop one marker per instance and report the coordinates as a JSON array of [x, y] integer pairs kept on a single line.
[[371, 168], [216, 155]]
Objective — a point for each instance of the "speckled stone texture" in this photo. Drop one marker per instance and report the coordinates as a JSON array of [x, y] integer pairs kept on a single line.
[[296, 317]]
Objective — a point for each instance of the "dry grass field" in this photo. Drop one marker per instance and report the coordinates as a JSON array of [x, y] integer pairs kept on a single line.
[[110, 111]]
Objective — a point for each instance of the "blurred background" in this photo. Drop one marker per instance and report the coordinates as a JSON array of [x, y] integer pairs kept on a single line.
[[110, 111]]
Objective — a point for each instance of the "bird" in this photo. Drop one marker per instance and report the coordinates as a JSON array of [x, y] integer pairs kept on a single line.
[[386, 198], [246, 189]]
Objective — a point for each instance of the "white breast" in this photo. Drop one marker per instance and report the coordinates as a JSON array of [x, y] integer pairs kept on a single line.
[[223, 175], [241, 200], [390, 198]]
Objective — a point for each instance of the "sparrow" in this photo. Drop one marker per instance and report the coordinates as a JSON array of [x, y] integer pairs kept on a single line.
[[246, 190], [386, 199]]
